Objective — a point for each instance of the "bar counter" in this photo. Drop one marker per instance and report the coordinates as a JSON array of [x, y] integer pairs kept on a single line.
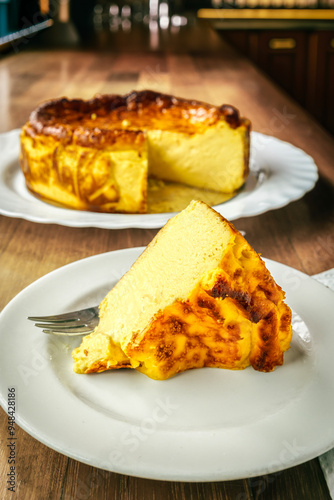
[[300, 235]]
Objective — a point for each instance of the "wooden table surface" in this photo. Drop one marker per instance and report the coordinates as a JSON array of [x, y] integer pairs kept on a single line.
[[300, 235]]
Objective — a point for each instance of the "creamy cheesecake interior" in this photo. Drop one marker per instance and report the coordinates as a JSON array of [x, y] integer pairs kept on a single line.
[[198, 296], [213, 159]]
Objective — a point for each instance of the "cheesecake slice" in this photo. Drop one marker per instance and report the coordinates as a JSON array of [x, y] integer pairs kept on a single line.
[[97, 155], [198, 296]]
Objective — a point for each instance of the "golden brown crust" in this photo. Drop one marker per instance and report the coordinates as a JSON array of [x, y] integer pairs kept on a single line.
[[140, 110], [236, 319], [83, 135]]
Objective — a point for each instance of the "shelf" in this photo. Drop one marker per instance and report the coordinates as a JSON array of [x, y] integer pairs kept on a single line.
[[268, 18], [268, 14]]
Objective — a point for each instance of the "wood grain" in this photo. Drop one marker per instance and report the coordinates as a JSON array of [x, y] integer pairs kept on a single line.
[[300, 235]]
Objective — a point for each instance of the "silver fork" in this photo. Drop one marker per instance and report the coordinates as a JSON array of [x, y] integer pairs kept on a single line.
[[69, 324]]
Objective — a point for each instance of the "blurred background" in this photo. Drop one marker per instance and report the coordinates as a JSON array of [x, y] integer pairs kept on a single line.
[[292, 41]]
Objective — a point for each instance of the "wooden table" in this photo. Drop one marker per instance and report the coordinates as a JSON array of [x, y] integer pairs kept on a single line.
[[300, 235]]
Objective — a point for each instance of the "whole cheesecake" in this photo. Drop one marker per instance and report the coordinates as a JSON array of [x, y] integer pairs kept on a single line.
[[97, 155], [198, 296]]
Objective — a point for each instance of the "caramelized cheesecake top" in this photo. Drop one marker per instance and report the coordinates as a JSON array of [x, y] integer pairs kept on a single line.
[[111, 118]]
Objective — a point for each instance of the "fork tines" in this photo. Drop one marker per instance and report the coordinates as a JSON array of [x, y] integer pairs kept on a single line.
[[73, 323]]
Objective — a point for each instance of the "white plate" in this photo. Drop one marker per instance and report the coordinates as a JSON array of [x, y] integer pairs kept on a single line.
[[280, 173], [202, 425]]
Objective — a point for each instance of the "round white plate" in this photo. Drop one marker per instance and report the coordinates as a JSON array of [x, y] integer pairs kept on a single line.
[[280, 173], [201, 425]]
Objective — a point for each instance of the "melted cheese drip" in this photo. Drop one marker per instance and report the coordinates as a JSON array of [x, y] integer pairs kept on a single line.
[[164, 197]]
